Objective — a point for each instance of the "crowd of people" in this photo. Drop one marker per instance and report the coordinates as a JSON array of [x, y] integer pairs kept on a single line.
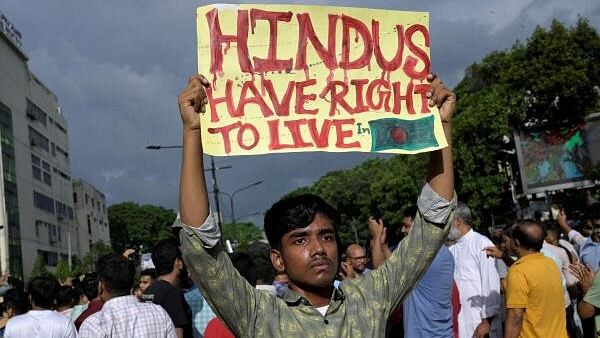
[[442, 279]]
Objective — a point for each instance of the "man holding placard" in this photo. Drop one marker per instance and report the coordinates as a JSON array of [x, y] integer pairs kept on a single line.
[[302, 231]]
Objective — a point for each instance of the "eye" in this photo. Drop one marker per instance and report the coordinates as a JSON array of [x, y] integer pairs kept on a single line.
[[328, 237], [300, 241]]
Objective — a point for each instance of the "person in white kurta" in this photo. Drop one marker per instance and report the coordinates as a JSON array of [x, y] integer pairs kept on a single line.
[[477, 279]]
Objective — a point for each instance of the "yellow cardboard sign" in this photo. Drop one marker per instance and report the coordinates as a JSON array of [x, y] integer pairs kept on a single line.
[[288, 78]]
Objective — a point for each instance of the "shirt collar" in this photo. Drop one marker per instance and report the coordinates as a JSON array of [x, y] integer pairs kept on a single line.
[[530, 256], [466, 236], [293, 298]]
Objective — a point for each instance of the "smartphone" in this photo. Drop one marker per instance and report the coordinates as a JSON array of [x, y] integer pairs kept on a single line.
[[555, 209]]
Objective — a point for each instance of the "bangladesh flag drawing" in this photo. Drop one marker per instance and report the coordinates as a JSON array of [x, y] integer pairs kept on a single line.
[[392, 133]]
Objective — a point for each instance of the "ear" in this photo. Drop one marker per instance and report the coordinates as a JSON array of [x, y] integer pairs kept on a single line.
[[178, 264], [277, 260]]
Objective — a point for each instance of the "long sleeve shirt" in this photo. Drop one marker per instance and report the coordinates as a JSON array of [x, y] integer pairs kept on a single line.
[[358, 308]]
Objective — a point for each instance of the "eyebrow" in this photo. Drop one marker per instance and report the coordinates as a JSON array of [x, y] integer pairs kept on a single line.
[[302, 233]]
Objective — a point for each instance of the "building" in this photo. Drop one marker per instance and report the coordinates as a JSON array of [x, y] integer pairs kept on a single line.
[[37, 213], [91, 215]]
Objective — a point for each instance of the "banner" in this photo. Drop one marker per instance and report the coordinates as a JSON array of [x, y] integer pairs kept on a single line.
[[288, 78]]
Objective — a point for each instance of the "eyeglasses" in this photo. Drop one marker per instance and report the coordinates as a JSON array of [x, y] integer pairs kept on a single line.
[[365, 258]]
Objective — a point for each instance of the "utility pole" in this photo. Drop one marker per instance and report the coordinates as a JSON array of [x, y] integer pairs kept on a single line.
[[213, 169]]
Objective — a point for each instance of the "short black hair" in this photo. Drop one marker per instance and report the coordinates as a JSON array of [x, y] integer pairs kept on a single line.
[[66, 296], [89, 285], [294, 213], [410, 211], [43, 291], [149, 272], [528, 238], [16, 299], [244, 264], [164, 255], [116, 273]]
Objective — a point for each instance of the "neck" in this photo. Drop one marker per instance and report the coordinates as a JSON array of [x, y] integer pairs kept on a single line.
[[525, 252], [318, 297], [35, 307], [171, 278]]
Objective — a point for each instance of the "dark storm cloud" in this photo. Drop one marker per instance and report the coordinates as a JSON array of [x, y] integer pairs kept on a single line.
[[118, 66]]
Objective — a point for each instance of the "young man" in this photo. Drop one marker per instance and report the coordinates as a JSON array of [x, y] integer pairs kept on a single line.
[[41, 320], [302, 232], [147, 277], [123, 315], [165, 290]]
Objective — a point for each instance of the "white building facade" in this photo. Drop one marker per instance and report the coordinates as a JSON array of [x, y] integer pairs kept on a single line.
[[38, 217], [91, 215]]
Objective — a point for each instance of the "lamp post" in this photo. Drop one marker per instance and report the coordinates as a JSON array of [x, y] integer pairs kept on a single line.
[[213, 169], [231, 200]]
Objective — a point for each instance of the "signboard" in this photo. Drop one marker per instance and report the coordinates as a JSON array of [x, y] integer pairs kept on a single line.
[[288, 78], [553, 159]]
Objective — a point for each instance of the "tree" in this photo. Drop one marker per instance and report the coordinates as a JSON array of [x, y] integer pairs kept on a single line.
[[551, 79], [62, 270], [39, 267], [88, 262], [244, 234], [133, 225]]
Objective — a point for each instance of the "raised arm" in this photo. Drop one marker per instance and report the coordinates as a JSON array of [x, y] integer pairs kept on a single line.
[[441, 170], [193, 196]]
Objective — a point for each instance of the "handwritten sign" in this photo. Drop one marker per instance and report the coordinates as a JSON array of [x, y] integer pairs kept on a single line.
[[288, 78]]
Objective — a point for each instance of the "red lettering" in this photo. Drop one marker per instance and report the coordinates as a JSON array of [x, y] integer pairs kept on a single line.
[[225, 134], [282, 108], [422, 90], [255, 98], [410, 64], [213, 101], [336, 98], [360, 105], [301, 98], [408, 97], [383, 95], [294, 128], [306, 32], [217, 39], [362, 30], [321, 138], [343, 134], [396, 61], [274, 144], [271, 63], [240, 136]]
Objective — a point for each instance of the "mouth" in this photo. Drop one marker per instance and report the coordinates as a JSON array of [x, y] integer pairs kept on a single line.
[[320, 264]]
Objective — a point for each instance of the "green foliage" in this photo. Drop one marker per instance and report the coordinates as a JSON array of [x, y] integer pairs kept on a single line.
[[133, 225], [88, 261], [550, 79], [39, 267], [378, 187], [62, 270], [244, 234]]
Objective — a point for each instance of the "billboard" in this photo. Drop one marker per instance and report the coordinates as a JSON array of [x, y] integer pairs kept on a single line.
[[554, 158]]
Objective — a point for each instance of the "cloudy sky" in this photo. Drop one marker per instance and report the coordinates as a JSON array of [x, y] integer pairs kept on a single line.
[[117, 68]]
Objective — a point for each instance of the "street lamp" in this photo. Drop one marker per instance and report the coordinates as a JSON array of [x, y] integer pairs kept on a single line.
[[212, 169], [231, 198]]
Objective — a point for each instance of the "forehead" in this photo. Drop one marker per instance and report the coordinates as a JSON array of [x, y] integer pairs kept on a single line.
[[319, 224]]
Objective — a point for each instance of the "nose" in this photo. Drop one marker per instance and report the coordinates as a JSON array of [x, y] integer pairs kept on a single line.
[[317, 247]]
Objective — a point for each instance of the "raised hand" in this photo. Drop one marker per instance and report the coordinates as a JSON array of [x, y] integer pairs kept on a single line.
[[192, 101], [441, 97]]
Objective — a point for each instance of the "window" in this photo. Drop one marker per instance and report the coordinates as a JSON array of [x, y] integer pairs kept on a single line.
[[35, 113], [87, 199], [93, 202], [63, 211], [41, 170], [50, 258], [75, 197], [38, 225], [43, 202], [53, 234], [89, 223], [39, 140]]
